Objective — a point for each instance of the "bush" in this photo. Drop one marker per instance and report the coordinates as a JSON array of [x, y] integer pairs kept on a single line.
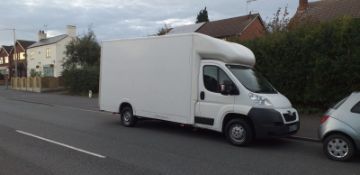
[[34, 73], [82, 64], [315, 65], [80, 81], [2, 76]]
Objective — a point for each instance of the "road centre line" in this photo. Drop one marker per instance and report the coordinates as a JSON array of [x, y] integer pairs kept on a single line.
[[60, 144]]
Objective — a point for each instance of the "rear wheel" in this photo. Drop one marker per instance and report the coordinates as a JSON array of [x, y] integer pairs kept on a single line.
[[238, 132], [338, 147], [127, 117]]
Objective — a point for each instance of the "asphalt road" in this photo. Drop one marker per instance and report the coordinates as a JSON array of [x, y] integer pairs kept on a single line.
[[44, 139]]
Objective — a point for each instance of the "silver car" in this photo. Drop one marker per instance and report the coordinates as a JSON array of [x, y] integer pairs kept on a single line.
[[340, 129]]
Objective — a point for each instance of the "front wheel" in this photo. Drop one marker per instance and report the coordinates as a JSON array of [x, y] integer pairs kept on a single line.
[[127, 117], [338, 147], [238, 132]]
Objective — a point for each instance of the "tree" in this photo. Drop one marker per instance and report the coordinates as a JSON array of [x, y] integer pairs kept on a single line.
[[280, 21], [84, 51], [82, 65], [320, 62], [164, 30], [202, 16]]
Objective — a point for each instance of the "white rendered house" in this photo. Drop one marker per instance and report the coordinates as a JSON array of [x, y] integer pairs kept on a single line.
[[48, 54]]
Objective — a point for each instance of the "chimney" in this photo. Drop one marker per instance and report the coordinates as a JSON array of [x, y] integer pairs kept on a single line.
[[71, 30], [41, 35], [303, 5]]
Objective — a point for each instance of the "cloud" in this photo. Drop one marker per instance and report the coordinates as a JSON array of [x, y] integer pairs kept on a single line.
[[51, 33], [173, 22], [112, 19]]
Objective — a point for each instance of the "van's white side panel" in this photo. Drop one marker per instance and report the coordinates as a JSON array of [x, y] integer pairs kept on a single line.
[[159, 76], [153, 75]]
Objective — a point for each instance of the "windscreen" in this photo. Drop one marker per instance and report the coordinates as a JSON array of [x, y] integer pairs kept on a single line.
[[251, 79]]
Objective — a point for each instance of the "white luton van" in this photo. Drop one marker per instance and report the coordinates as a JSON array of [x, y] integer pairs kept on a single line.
[[193, 79]]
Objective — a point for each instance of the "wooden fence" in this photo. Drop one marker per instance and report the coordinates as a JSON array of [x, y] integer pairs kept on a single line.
[[37, 84]]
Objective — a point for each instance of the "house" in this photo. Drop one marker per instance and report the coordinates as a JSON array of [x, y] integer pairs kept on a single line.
[[186, 28], [246, 27], [325, 10], [5, 59], [47, 55], [19, 57]]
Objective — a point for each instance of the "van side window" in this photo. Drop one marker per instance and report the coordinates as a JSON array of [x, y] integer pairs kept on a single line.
[[210, 78], [213, 78], [356, 108]]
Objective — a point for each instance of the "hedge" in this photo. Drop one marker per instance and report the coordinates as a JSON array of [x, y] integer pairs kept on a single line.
[[80, 81], [314, 65]]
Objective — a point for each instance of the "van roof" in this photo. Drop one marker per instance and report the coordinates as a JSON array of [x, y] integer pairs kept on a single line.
[[211, 48]]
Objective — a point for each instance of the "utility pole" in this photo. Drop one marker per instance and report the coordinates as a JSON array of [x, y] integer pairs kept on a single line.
[[15, 54]]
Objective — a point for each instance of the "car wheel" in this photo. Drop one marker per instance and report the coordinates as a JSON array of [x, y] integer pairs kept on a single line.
[[127, 117], [238, 132], [338, 147]]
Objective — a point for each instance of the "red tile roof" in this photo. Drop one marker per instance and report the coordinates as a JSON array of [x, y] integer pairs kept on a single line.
[[326, 10], [227, 27]]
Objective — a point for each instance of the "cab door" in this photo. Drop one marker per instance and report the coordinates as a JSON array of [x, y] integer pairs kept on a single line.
[[211, 102]]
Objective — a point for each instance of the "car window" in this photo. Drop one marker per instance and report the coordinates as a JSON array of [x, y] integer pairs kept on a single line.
[[213, 78], [356, 108], [222, 76]]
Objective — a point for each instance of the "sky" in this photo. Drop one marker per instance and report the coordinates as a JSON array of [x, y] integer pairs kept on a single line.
[[118, 19]]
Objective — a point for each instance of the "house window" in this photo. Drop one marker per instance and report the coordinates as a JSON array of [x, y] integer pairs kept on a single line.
[[6, 60], [1, 60], [48, 70], [48, 53], [22, 55]]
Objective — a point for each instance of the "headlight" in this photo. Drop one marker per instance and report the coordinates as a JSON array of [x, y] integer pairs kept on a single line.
[[259, 100]]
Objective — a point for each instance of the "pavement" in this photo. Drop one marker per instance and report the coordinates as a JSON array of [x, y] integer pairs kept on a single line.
[[308, 128], [51, 98], [65, 137]]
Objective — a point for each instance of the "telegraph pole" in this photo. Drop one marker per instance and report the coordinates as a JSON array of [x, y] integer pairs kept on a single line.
[[15, 54]]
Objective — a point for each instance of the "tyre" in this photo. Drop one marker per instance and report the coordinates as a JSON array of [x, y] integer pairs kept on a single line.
[[238, 132], [338, 147], [127, 117]]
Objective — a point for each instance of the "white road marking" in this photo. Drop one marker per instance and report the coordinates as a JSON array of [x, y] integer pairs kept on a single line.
[[61, 144]]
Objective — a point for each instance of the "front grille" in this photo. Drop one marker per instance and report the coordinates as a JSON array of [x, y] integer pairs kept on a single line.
[[290, 117]]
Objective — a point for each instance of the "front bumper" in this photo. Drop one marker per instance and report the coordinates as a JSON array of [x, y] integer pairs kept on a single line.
[[274, 122]]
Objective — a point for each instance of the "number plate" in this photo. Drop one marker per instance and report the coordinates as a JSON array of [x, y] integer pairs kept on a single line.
[[292, 128]]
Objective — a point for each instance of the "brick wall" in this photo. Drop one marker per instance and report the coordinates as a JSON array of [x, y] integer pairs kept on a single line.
[[255, 30]]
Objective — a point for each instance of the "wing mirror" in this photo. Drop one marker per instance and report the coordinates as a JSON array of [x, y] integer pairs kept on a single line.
[[228, 88]]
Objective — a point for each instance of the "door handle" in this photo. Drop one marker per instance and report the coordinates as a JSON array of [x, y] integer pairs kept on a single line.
[[202, 95]]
